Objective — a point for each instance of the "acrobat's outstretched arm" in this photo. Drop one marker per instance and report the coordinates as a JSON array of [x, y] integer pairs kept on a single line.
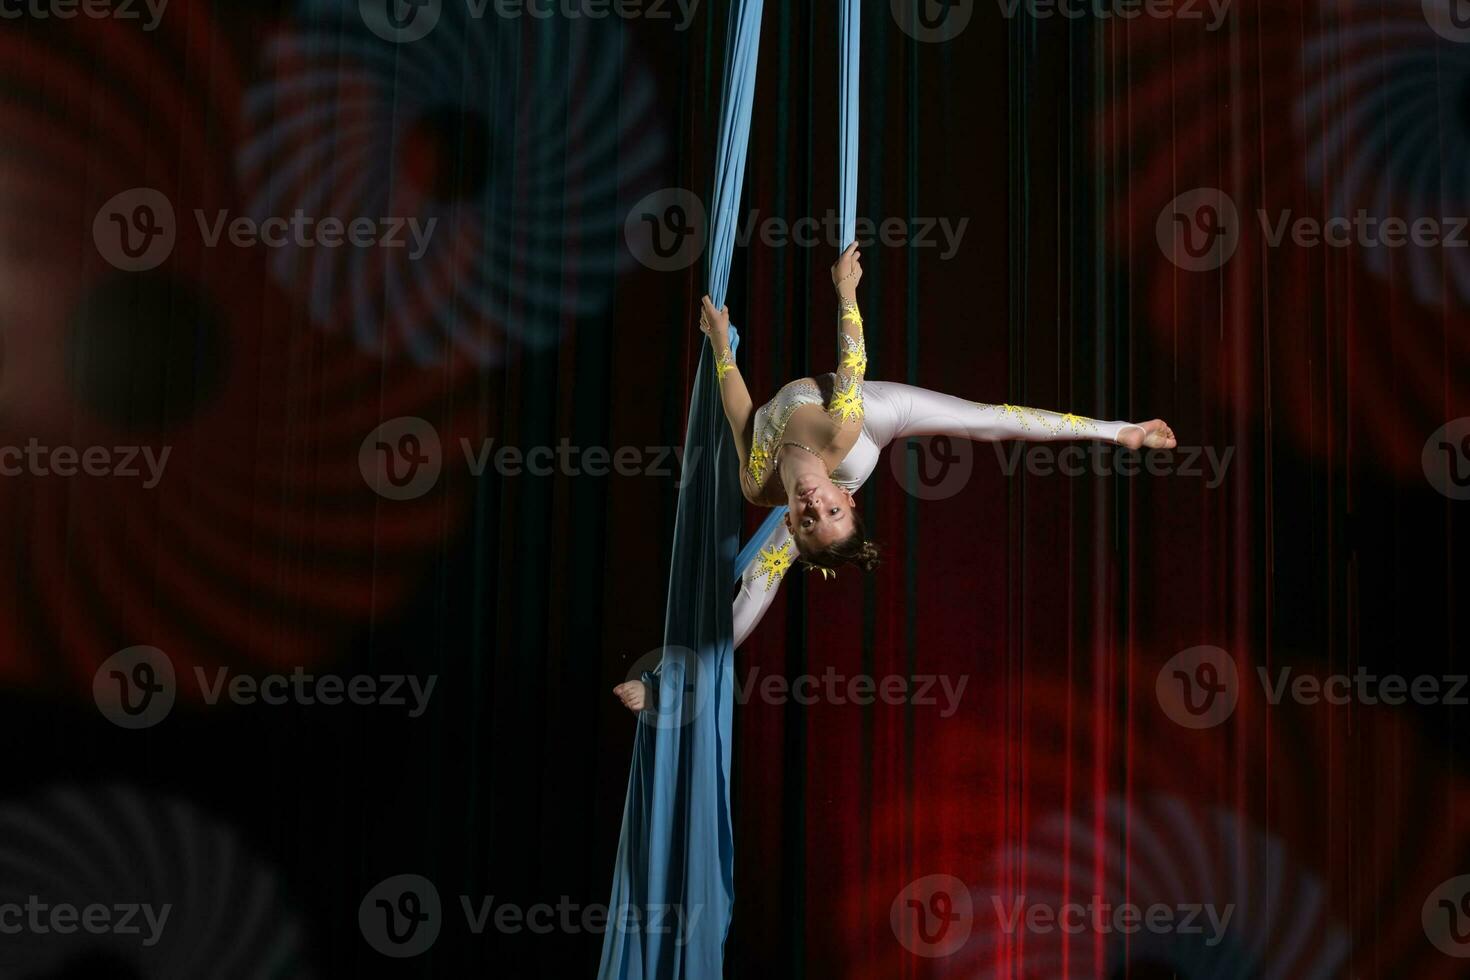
[[760, 580], [852, 353], [734, 396]]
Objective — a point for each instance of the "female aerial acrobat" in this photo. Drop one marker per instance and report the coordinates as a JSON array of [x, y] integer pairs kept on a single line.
[[818, 440]]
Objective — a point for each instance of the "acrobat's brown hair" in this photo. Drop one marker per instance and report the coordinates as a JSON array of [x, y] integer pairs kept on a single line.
[[855, 549]]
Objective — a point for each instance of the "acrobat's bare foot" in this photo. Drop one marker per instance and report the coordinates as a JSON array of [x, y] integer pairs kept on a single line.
[[633, 694], [1148, 435]]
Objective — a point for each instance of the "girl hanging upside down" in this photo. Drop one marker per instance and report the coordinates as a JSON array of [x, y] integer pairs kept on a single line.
[[818, 441]]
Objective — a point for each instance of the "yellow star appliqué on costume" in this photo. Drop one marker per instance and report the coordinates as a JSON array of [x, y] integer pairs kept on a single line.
[[854, 356], [1078, 422], [1018, 411], [847, 403], [773, 563], [724, 364], [851, 313], [760, 459]]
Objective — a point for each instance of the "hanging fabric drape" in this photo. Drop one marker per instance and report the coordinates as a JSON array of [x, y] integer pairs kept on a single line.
[[673, 882]]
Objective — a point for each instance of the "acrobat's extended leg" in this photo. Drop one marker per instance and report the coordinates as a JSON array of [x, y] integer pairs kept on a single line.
[[898, 411]]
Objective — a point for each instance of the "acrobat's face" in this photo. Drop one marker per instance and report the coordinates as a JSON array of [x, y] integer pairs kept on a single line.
[[819, 514]]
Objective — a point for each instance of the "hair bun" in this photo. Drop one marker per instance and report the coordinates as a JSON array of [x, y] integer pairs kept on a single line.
[[869, 558]]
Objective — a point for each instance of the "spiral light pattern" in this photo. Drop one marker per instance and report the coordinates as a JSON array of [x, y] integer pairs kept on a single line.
[[516, 141]]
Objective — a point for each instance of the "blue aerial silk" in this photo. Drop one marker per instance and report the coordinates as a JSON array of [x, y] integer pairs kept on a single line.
[[673, 883]]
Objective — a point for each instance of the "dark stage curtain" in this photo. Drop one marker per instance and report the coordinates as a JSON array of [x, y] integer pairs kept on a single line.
[[391, 464]]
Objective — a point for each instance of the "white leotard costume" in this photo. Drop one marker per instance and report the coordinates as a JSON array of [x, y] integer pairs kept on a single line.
[[887, 411], [890, 411]]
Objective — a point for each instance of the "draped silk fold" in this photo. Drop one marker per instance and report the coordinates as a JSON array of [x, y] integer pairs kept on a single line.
[[673, 881]]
